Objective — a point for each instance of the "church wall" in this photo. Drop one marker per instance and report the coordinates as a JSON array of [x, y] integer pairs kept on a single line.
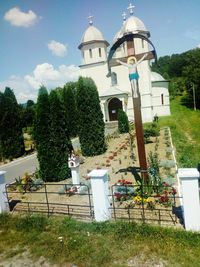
[[90, 52], [160, 98], [98, 73]]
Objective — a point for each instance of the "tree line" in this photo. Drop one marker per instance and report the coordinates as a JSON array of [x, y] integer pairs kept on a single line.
[[183, 70], [67, 112]]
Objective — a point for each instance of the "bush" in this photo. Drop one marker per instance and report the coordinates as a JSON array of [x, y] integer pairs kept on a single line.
[[151, 130], [123, 125]]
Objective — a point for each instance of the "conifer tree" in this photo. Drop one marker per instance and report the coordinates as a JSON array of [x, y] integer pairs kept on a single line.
[[91, 124], [123, 125], [11, 136], [68, 96], [42, 133], [59, 138]]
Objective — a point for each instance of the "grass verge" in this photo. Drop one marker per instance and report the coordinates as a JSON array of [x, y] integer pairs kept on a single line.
[[97, 244], [185, 128]]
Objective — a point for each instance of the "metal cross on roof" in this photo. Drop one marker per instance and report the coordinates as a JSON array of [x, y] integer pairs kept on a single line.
[[130, 8], [124, 16], [90, 17]]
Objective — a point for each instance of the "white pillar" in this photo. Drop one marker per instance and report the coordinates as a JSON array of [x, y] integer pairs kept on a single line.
[[191, 197], [99, 185], [4, 206]]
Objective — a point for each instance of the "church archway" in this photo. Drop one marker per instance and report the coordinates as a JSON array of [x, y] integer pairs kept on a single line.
[[113, 106]]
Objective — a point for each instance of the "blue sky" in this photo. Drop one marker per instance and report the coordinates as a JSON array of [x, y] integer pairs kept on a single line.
[[39, 38]]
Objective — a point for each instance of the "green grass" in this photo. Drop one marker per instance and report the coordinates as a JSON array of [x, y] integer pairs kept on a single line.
[[97, 244], [185, 128]]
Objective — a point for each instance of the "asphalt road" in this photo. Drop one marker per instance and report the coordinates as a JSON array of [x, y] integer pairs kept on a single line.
[[19, 166], [28, 164]]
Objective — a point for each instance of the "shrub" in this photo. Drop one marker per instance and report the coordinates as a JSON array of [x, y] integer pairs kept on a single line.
[[123, 125]]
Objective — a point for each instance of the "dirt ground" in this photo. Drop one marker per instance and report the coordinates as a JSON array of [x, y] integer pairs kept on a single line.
[[117, 160]]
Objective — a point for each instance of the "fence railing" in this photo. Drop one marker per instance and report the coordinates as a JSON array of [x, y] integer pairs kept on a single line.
[[129, 202]]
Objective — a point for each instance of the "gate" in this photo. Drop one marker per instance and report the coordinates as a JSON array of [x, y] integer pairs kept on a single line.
[[51, 199], [146, 204]]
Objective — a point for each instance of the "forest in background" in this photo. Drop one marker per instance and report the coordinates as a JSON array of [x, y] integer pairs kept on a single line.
[[183, 72]]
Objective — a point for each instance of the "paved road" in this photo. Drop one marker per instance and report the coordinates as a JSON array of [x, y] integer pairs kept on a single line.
[[29, 164], [19, 166]]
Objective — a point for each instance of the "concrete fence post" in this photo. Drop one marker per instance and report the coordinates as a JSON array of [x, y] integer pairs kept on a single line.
[[4, 206], [100, 192], [189, 178]]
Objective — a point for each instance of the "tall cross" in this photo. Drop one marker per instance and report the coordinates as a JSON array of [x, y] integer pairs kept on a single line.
[[90, 17], [130, 8]]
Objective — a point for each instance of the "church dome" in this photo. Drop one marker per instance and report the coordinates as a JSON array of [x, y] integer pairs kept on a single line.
[[156, 77], [92, 34], [134, 25], [117, 36]]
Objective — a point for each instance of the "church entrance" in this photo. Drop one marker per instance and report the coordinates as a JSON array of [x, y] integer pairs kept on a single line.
[[113, 106]]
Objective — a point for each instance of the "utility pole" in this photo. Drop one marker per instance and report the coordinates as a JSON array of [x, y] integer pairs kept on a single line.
[[194, 97]]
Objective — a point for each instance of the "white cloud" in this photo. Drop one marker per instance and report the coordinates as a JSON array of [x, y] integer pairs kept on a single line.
[[26, 87], [57, 48], [22, 89], [198, 45], [19, 18], [50, 77]]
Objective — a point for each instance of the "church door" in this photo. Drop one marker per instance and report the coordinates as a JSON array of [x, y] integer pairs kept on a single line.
[[113, 106]]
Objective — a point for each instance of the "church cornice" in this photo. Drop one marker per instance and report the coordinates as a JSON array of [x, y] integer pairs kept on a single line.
[[92, 42], [93, 64]]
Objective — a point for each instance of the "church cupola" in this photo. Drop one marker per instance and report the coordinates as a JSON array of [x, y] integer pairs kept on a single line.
[[93, 45], [134, 24]]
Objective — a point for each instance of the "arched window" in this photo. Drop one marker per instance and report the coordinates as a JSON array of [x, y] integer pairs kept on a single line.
[[113, 78], [162, 99], [100, 55], [90, 51]]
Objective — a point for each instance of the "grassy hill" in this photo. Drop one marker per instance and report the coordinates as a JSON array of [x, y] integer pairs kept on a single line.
[[185, 128]]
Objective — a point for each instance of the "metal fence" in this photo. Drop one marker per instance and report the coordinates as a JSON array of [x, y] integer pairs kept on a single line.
[[157, 205], [51, 199]]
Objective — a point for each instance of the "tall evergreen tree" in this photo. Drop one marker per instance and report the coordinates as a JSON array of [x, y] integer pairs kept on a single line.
[[42, 133], [68, 95], [11, 137], [59, 139], [91, 124], [2, 112]]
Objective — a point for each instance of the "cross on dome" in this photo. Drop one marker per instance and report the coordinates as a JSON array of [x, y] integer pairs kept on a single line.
[[90, 17], [130, 8], [124, 16]]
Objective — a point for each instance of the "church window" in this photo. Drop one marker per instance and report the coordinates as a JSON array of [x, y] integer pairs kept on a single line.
[[90, 51], [100, 55], [113, 78], [162, 99], [142, 43]]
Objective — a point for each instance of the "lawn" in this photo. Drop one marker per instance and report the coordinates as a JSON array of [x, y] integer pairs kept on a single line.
[[66, 242], [185, 128]]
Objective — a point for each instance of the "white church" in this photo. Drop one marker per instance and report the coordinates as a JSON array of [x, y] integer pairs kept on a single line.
[[115, 91]]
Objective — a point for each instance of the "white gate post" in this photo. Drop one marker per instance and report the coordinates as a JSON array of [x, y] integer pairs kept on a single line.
[[189, 178], [99, 185], [4, 206]]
